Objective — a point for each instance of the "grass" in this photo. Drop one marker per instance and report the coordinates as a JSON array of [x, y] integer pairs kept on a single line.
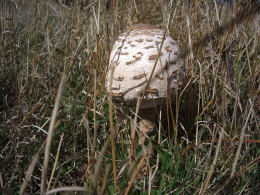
[[69, 135]]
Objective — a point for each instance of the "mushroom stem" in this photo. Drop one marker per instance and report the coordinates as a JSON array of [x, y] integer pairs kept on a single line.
[[147, 122]]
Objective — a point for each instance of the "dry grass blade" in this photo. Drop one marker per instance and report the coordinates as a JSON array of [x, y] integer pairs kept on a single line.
[[99, 163], [95, 115], [154, 66], [31, 112], [69, 189], [55, 162], [205, 186], [234, 165], [250, 165], [242, 16], [135, 172], [152, 174], [29, 172], [50, 133], [133, 136], [147, 11], [113, 131], [242, 135], [105, 180], [189, 35], [86, 125], [1, 182]]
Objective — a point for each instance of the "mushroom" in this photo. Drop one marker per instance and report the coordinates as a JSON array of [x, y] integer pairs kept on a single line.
[[142, 68]]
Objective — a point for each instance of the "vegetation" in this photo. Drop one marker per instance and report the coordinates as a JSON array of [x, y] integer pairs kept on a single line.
[[60, 131]]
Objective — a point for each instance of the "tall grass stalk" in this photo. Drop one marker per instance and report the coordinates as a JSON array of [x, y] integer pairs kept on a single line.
[[50, 133]]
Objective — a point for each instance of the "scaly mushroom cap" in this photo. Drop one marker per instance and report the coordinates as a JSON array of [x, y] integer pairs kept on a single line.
[[132, 59]]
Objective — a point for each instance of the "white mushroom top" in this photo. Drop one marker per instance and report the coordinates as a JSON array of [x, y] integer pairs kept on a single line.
[[131, 62]]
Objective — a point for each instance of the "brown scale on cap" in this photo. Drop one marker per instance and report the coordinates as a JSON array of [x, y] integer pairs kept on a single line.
[[153, 57], [149, 47], [173, 62], [119, 78], [132, 45], [168, 49], [136, 77], [159, 76], [139, 40], [174, 74], [133, 61]]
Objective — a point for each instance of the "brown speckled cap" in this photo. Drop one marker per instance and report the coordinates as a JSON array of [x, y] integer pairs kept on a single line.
[[131, 62]]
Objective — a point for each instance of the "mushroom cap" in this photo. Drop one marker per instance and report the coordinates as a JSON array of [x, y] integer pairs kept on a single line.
[[131, 62]]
